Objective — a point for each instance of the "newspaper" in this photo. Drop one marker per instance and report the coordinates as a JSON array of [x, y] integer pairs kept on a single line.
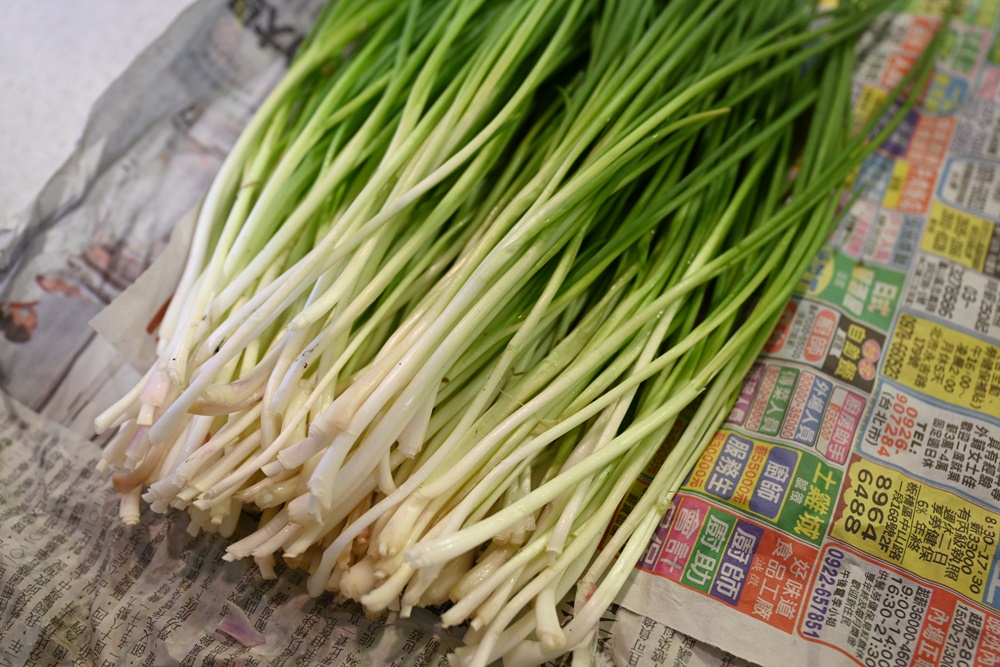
[[848, 512], [77, 587], [151, 147], [845, 514]]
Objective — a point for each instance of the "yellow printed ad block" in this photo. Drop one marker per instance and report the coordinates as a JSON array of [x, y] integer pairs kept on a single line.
[[870, 99], [957, 235], [897, 182], [947, 364], [930, 532]]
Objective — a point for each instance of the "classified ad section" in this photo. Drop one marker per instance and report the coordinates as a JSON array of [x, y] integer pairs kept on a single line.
[[847, 512], [881, 616]]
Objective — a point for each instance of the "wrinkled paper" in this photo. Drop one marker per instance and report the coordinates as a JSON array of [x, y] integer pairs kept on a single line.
[[79, 587]]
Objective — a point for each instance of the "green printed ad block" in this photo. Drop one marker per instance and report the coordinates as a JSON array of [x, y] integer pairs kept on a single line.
[[866, 292], [708, 550]]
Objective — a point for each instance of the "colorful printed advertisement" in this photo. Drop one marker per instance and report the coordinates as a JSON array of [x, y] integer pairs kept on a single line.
[[925, 530], [874, 235], [951, 292], [802, 407], [787, 488], [812, 333], [862, 291], [963, 237], [949, 365], [739, 562], [955, 452]]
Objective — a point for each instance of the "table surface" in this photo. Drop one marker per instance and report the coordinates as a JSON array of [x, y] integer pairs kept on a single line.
[[56, 58]]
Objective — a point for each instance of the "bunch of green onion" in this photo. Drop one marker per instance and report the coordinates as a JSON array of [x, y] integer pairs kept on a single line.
[[464, 272]]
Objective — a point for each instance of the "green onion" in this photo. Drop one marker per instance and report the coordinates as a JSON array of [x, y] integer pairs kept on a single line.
[[469, 271]]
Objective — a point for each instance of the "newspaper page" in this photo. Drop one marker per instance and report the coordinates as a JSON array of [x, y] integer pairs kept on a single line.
[[848, 512], [151, 147], [78, 587]]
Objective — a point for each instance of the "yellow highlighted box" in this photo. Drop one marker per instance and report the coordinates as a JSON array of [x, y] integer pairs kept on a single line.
[[957, 235], [947, 364], [930, 532]]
